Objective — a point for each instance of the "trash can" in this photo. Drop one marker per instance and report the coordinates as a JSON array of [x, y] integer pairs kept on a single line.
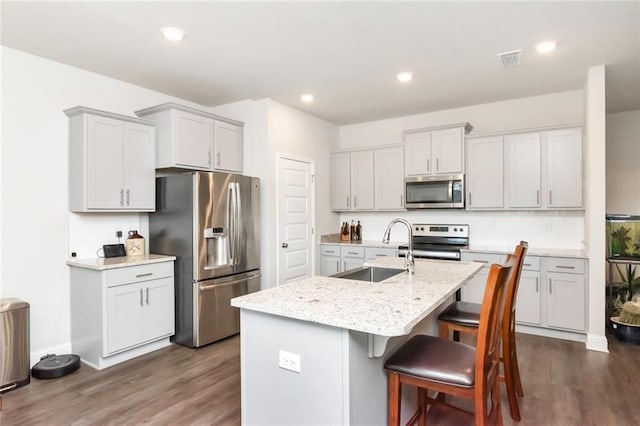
[[14, 344]]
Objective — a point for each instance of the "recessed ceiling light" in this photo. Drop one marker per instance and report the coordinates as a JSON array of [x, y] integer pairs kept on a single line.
[[404, 77], [172, 33], [307, 98], [546, 46]]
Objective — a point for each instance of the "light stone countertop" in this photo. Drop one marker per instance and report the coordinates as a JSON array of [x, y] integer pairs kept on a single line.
[[388, 308], [531, 251], [364, 243], [102, 263]]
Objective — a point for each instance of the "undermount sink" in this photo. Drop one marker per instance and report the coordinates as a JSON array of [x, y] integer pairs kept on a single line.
[[368, 273]]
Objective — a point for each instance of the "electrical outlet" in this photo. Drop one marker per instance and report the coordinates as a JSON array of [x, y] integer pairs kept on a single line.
[[118, 234], [289, 361]]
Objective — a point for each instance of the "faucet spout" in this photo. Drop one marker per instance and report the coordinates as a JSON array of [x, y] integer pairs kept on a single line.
[[409, 262]]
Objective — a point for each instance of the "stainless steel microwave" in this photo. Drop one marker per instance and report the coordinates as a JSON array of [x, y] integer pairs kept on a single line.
[[434, 192]]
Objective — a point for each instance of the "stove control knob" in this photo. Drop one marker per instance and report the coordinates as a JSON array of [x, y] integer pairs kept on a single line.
[[422, 229]]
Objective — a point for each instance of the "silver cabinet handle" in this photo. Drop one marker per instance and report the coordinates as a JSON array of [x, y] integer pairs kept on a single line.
[[565, 267], [121, 197], [218, 158], [148, 274], [481, 261], [348, 202], [345, 265], [470, 198], [209, 158], [352, 252], [147, 292], [536, 284], [550, 197], [428, 168], [329, 251], [338, 265], [437, 164], [538, 196], [285, 245], [127, 197], [550, 289], [355, 201], [141, 297]]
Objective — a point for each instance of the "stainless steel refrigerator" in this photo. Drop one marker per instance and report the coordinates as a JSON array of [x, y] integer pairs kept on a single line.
[[210, 221]]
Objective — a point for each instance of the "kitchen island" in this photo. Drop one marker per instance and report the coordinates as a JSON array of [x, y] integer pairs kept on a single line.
[[312, 351]]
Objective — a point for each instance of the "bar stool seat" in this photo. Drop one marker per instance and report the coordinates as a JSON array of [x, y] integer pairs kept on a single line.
[[463, 313]]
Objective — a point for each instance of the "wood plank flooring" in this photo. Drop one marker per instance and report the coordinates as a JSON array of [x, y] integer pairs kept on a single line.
[[564, 384]]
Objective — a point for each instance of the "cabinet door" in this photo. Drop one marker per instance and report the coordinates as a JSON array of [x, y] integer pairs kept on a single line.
[[446, 151], [389, 178], [105, 149], [193, 140], [330, 265], [473, 290], [564, 168], [349, 263], [566, 301], [362, 180], [228, 147], [485, 177], [417, 154], [159, 308], [528, 299], [524, 170], [125, 320], [139, 167], [341, 181]]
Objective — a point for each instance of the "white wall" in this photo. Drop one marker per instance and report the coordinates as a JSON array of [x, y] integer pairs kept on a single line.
[[38, 232], [595, 177], [623, 168], [540, 229]]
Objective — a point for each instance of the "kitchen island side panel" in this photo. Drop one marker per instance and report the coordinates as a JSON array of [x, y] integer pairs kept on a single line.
[[274, 396]]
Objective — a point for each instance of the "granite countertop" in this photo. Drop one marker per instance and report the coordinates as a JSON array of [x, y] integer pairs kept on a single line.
[[531, 251], [388, 308], [334, 239], [101, 263]]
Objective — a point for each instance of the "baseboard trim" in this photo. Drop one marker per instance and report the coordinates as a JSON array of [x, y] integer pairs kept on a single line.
[[56, 350], [596, 342], [550, 332]]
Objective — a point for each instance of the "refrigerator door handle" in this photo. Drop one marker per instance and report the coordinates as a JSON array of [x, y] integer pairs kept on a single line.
[[231, 224], [238, 229]]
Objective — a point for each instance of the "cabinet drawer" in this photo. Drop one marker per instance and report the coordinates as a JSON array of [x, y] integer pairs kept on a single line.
[[531, 263], [134, 274], [372, 252], [487, 258], [570, 266], [330, 250], [351, 251]]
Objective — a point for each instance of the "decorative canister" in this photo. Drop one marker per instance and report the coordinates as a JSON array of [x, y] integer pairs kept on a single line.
[[134, 244]]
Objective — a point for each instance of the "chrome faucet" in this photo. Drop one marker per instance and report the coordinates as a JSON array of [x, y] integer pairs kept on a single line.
[[409, 263]]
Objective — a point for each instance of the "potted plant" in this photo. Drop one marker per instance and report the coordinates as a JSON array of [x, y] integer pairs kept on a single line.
[[626, 320]]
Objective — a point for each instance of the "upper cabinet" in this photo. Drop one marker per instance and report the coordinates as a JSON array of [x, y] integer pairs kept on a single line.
[[193, 139], [433, 151], [368, 180], [542, 170], [111, 162]]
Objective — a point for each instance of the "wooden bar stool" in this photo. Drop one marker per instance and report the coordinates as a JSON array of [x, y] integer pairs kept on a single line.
[[441, 365], [465, 317]]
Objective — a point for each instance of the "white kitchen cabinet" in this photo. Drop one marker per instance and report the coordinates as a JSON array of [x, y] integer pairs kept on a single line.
[[352, 180], [351, 257], [330, 260], [485, 177], [524, 170], [228, 146], [121, 310], [111, 162], [341, 181], [371, 253], [435, 151], [194, 139], [362, 180], [564, 168], [566, 293], [473, 290], [389, 178], [528, 300]]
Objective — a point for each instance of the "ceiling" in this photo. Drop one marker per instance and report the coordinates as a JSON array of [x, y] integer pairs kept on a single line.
[[345, 53]]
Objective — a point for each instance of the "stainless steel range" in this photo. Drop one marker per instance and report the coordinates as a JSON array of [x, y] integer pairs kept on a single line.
[[432, 241]]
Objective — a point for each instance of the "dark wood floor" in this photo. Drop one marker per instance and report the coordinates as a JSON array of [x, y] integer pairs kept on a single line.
[[564, 385]]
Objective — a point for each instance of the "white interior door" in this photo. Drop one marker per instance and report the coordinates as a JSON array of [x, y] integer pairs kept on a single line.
[[295, 219]]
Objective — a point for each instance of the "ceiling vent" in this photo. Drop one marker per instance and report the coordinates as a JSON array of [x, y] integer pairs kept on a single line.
[[511, 59]]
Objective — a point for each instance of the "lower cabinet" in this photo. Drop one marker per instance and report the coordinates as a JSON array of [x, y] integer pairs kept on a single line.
[[340, 258], [552, 291], [120, 313]]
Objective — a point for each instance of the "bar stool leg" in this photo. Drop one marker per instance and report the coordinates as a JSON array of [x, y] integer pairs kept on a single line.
[[395, 397]]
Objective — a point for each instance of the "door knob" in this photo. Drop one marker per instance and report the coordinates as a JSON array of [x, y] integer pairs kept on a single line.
[[285, 245]]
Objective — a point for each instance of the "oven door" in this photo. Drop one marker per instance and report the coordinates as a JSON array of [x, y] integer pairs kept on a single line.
[[433, 192]]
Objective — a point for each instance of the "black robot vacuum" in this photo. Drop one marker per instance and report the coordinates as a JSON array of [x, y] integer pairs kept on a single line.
[[54, 366]]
